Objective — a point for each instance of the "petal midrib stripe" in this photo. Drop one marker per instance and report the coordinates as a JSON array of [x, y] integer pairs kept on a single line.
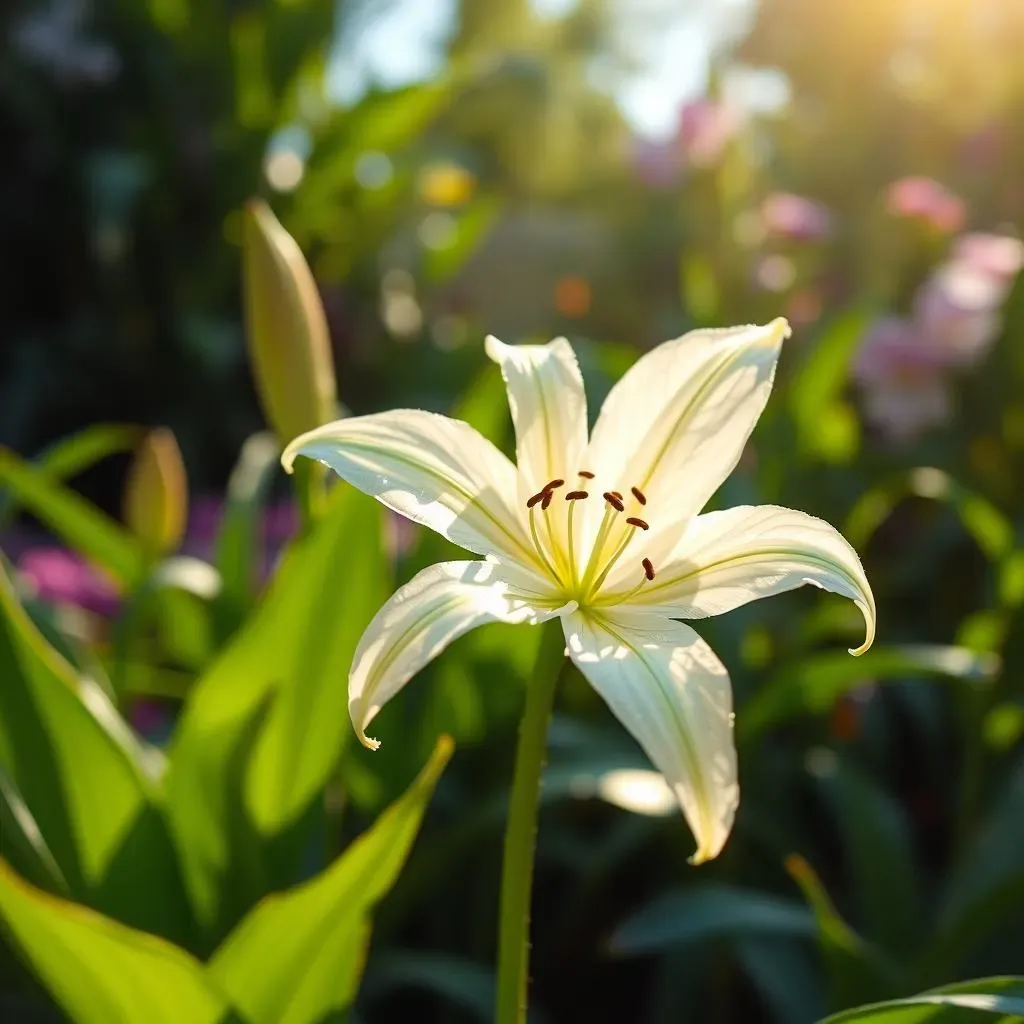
[[420, 625], [689, 753], [448, 481], [803, 556], [712, 379]]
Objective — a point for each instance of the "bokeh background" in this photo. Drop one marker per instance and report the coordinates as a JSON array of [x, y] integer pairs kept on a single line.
[[618, 171]]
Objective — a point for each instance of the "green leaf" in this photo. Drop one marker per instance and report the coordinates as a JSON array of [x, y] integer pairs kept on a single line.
[[459, 982], [302, 738], [785, 976], [965, 1002], [24, 845], [822, 376], [83, 526], [708, 912], [100, 971], [75, 454], [286, 670], [297, 957], [987, 886], [815, 683], [83, 776], [855, 969], [238, 545], [878, 857]]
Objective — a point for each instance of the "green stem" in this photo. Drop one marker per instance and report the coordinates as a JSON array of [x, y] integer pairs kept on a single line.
[[521, 829]]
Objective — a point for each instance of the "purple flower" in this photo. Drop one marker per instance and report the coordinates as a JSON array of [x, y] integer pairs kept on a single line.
[[59, 576], [903, 380], [787, 215], [957, 311], [926, 200]]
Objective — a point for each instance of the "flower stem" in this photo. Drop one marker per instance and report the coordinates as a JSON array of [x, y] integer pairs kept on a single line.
[[521, 829]]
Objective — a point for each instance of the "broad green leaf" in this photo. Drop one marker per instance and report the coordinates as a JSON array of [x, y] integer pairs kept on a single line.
[[100, 971], [81, 525], [23, 843], [302, 738], [785, 976], [459, 982], [298, 955], [815, 683], [822, 376], [987, 886], [878, 857], [285, 669], [707, 912], [999, 1000], [75, 454], [84, 778]]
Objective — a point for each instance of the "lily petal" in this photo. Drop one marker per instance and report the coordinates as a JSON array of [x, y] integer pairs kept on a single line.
[[420, 620], [549, 409], [676, 423], [726, 559], [437, 471], [672, 693]]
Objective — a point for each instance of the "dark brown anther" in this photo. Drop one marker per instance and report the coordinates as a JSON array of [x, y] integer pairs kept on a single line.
[[545, 501], [586, 474], [639, 495], [576, 495], [551, 485], [617, 494], [648, 568], [539, 496], [615, 503], [633, 521]]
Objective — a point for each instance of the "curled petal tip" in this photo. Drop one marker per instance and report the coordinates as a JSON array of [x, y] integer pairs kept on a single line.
[[868, 612], [780, 326], [368, 741]]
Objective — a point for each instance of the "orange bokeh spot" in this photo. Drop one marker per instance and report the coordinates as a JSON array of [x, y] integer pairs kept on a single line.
[[572, 296]]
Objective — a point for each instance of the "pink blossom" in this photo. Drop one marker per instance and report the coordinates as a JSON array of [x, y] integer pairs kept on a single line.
[[706, 127], [787, 215], [1001, 256], [902, 379], [927, 200], [59, 576], [957, 311]]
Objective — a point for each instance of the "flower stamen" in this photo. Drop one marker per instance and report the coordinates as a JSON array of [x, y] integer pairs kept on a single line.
[[546, 499], [615, 500], [577, 495], [648, 568], [639, 495], [641, 523], [586, 474]]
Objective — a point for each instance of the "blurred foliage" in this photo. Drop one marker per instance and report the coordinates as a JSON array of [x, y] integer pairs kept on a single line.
[[174, 752]]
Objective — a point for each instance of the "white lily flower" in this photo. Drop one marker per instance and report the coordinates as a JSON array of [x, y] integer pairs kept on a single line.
[[604, 533]]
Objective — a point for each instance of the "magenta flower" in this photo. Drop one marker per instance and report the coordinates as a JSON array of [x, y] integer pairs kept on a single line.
[[787, 215], [59, 576], [925, 199]]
